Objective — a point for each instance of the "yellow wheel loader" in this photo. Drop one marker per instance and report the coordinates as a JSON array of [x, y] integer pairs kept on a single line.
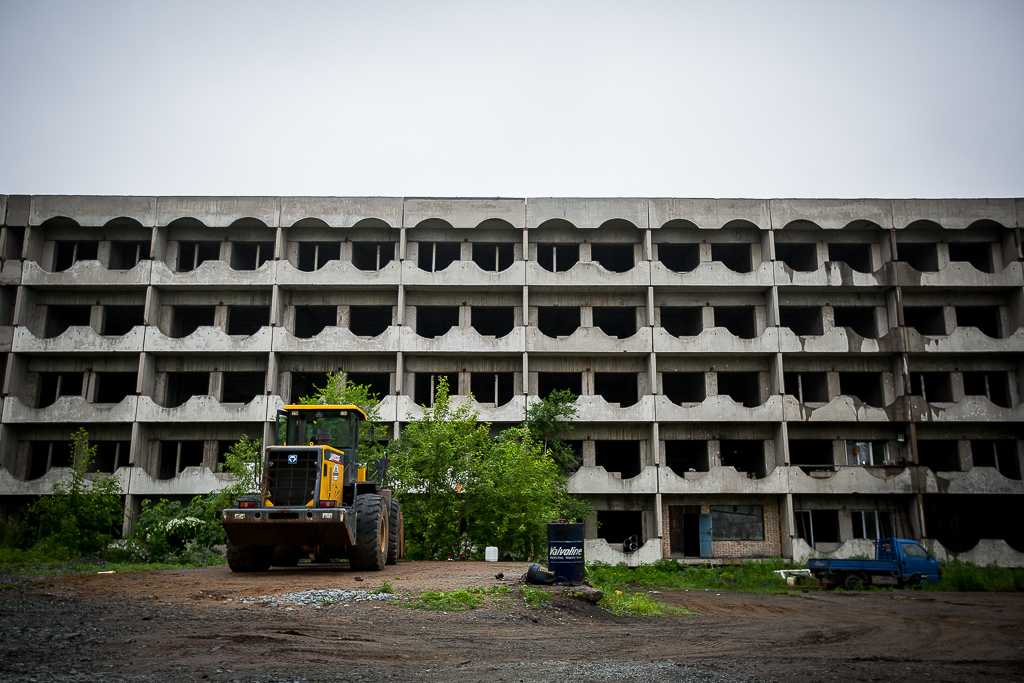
[[315, 500]]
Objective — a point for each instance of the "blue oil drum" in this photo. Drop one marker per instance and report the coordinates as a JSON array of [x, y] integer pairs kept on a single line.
[[565, 552]]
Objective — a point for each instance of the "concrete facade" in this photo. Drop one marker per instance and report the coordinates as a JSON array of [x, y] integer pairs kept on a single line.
[[800, 374]]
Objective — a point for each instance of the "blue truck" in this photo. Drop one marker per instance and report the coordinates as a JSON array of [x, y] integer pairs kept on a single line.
[[899, 562]]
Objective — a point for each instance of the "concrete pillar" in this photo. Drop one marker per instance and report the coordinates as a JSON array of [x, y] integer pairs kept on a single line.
[[764, 385], [949, 318], [526, 374], [711, 384], [288, 318], [465, 319], [882, 320], [657, 457], [760, 320], [90, 385], [585, 252], [755, 255], [210, 454], [828, 318], [589, 453], [146, 383], [345, 253], [714, 453], [399, 373], [820, 254], [956, 381], [344, 319], [876, 258], [466, 251], [942, 252], [132, 510], [271, 382], [965, 456], [103, 253], [888, 389], [220, 317], [586, 316], [845, 525], [832, 381], [217, 386], [707, 317], [588, 382], [705, 252], [787, 524], [97, 317]]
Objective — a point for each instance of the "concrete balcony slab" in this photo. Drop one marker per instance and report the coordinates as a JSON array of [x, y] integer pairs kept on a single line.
[[711, 274], [721, 480], [709, 213], [407, 410], [952, 214], [833, 274], [218, 212], [839, 340], [586, 212], [988, 551], [717, 340], [973, 409], [79, 339], [339, 274], [598, 480], [964, 340], [591, 340], [208, 339], [596, 409], [589, 274], [854, 480], [463, 340], [93, 210], [465, 213], [717, 409], [341, 212], [960, 274], [209, 409], [513, 411], [214, 273], [10, 272], [43, 486], [74, 409], [336, 339], [464, 274], [849, 549], [387, 409], [599, 550], [840, 409], [87, 273], [190, 481], [973, 481]]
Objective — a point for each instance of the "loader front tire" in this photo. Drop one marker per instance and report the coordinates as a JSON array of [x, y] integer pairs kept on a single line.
[[249, 558], [393, 531], [372, 524], [285, 556]]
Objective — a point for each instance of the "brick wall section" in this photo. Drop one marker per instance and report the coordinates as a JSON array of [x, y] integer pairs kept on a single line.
[[771, 546]]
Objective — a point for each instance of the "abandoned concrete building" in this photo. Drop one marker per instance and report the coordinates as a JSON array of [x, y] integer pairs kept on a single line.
[[756, 377]]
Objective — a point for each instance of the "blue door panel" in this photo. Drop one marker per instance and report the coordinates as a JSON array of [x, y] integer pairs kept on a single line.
[[706, 547]]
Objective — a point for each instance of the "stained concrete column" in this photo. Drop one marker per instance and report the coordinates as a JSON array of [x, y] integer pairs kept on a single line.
[[97, 317], [964, 456], [787, 524], [705, 252], [585, 252], [832, 381], [949, 319], [942, 254], [820, 255], [828, 318], [344, 319], [956, 381], [217, 385], [220, 317], [707, 317], [589, 454], [714, 453], [586, 316], [710, 384]]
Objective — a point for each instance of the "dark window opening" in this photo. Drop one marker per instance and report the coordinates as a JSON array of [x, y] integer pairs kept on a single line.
[[436, 256], [557, 258], [739, 320], [687, 456], [251, 255], [985, 318], [679, 258], [925, 319], [933, 387], [684, 387], [119, 320], [998, 453], [247, 320], [60, 318], [493, 321], [495, 388], [921, 257], [71, 252], [7, 298], [243, 387], [799, 257], [615, 321], [45, 455], [817, 526], [181, 386], [175, 456], [615, 526], [188, 319], [311, 320], [866, 386], [860, 319], [315, 255], [53, 385], [742, 387], [435, 321], [559, 381], [617, 387], [110, 455], [940, 455], [805, 321], [191, 255], [622, 457], [558, 321], [993, 385], [744, 456], [682, 321], [618, 258], [113, 387], [978, 254], [857, 256], [14, 244], [493, 257], [126, 255], [735, 257], [873, 524], [378, 383], [369, 321], [304, 384], [426, 383], [811, 454], [807, 387], [568, 452], [372, 256], [737, 522]]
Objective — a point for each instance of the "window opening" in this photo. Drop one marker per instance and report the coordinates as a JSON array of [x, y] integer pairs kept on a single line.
[[933, 387], [805, 321], [618, 258], [921, 257], [940, 455], [251, 255], [557, 258], [314, 255], [559, 381], [857, 256], [682, 456], [53, 385], [311, 320], [617, 387], [379, 383], [860, 319], [799, 257], [866, 386], [243, 387], [181, 386], [60, 318], [615, 526], [737, 522], [68, 253], [426, 384], [928, 320], [867, 453], [985, 318], [175, 456], [493, 257], [682, 321], [191, 255], [873, 524], [807, 387], [679, 258], [739, 320], [616, 321], [684, 387], [188, 319], [110, 455], [369, 321], [744, 456], [742, 387], [995, 386], [978, 254], [126, 255], [435, 321], [372, 256], [492, 388], [45, 455], [619, 457], [436, 256], [558, 321], [120, 320], [735, 257], [247, 320], [811, 454], [817, 526], [304, 384], [998, 453], [114, 387], [493, 321]]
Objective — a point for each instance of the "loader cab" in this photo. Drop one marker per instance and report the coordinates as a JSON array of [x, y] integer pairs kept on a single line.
[[320, 425]]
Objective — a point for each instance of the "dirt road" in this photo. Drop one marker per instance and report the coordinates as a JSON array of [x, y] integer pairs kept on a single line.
[[189, 625]]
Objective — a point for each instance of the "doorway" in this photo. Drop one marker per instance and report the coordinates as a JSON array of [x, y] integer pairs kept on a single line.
[[684, 530]]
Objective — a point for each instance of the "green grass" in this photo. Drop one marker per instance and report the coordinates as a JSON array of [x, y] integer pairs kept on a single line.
[[385, 587], [498, 589], [749, 577], [453, 601], [11, 586], [967, 576], [637, 605], [534, 596], [14, 562]]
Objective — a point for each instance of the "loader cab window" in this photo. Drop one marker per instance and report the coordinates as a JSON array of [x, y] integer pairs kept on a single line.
[[303, 427]]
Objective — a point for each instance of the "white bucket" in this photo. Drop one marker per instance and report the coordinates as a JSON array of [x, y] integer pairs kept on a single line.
[[491, 554]]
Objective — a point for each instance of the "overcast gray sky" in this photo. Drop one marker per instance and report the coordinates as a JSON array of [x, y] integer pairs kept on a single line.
[[711, 99]]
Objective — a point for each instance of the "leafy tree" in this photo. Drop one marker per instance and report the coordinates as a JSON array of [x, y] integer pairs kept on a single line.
[[549, 417], [339, 391]]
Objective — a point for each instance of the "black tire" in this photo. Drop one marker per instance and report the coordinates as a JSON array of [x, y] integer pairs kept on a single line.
[[853, 582], [285, 556], [370, 553], [393, 532], [249, 558]]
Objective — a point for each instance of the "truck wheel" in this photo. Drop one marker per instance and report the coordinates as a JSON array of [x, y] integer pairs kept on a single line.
[[249, 558], [853, 582], [393, 532], [285, 556], [371, 549]]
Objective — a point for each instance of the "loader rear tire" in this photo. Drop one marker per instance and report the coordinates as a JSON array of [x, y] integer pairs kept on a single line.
[[249, 558], [393, 532], [370, 553]]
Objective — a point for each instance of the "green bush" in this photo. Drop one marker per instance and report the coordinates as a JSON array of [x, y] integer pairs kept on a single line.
[[967, 577]]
